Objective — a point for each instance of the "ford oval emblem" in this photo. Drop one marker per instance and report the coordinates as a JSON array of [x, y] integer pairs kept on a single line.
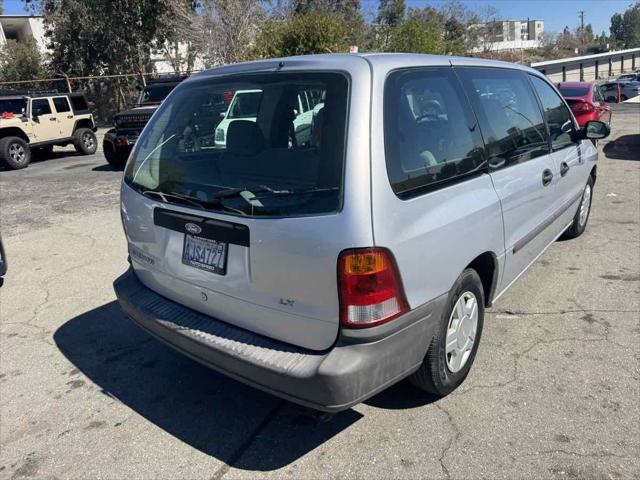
[[192, 228]]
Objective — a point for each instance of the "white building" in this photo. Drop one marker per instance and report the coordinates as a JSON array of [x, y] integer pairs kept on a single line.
[[22, 28], [500, 35]]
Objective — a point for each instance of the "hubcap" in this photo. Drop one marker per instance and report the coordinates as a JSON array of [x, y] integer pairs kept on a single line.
[[17, 153], [88, 140], [584, 206], [461, 331]]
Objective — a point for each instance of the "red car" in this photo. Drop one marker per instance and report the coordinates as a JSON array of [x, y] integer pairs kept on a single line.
[[586, 101]]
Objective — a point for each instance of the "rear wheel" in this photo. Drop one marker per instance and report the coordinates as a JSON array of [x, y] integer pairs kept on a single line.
[[454, 346], [15, 152], [85, 141], [115, 158], [581, 217]]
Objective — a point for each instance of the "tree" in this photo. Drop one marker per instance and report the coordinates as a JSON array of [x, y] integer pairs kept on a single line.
[[229, 29], [1, 7], [303, 34], [391, 13], [625, 27], [349, 10], [100, 37], [181, 40], [21, 61], [418, 34]]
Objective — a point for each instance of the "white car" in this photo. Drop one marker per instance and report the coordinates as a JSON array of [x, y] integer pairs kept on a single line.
[[246, 103]]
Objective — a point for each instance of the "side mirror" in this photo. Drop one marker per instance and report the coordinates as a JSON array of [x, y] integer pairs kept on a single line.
[[223, 114], [596, 130]]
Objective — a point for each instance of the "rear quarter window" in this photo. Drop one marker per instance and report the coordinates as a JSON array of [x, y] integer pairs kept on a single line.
[[429, 131], [79, 104]]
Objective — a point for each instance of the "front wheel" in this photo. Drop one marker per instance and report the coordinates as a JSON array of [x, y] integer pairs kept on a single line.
[[15, 152], [581, 217], [85, 141], [454, 346], [114, 157]]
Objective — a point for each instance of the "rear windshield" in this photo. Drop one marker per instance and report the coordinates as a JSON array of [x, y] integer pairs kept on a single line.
[[573, 91], [282, 155], [17, 106]]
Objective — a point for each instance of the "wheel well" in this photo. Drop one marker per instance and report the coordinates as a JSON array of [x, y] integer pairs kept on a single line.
[[594, 173], [13, 132], [486, 266]]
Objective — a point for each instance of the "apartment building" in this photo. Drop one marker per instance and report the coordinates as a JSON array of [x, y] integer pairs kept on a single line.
[[499, 35]]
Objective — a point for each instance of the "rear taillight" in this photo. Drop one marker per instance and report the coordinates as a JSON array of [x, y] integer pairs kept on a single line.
[[369, 286], [582, 107]]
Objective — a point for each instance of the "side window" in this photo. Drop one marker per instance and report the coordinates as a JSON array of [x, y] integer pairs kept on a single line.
[[430, 133], [79, 103], [556, 114], [509, 115], [41, 104], [61, 104], [598, 94]]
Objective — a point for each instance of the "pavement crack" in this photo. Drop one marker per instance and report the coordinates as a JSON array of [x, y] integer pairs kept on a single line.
[[561, 312], [450, 443]]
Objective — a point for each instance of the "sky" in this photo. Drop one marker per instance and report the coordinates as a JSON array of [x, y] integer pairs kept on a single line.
[[555, 13]]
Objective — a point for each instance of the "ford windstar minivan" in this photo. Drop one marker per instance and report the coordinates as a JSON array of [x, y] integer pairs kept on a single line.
[[324, 271]]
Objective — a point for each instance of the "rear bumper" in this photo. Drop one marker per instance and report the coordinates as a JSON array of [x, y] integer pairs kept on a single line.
[[361, 364]]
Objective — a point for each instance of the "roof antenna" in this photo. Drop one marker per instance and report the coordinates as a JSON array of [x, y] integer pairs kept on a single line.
[[280, 66]]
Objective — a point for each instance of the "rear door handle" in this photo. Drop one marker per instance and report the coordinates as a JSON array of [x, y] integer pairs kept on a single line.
[[564, 168], [69, 116], [547, 176]]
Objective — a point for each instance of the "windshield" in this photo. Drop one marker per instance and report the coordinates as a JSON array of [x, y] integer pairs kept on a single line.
[[574, 91], [17, 106], [155, 93], [276, 161]]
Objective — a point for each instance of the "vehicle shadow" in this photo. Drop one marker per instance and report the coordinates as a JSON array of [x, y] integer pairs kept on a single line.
[[208, 411], [106, 168], [626, 147]]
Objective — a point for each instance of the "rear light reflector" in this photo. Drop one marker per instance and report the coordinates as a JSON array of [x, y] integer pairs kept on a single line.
[[582, 107], [369, 287]]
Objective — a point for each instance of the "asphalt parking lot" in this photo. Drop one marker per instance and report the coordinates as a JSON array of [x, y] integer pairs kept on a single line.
[[554, 392]]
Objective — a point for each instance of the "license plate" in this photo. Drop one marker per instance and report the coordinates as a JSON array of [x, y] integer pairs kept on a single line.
[[206, 254]]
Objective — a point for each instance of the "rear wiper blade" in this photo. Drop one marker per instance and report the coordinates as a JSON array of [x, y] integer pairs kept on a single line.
[[164, 196], [214, 203], [285, 193]]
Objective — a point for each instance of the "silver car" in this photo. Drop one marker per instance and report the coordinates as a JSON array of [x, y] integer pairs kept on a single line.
[[325, 272]]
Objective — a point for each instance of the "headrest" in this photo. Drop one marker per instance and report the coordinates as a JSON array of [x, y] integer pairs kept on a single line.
[[244, 137]]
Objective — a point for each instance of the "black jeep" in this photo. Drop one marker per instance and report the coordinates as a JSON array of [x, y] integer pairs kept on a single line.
[[119, 141]]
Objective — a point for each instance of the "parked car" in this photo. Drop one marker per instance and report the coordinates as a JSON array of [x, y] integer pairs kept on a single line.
[[629, 77], [3, 263], [245, 104], [615, 92], [586, 101], [326, 272], [119, 141], [35, 123]]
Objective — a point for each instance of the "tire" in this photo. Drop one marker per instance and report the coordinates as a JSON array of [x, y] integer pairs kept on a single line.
[[116, 159], [442, 372], [85, 141], [581, 217], [15, 152]]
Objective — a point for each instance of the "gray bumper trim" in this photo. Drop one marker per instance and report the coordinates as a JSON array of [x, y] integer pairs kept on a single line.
[[331, 380]]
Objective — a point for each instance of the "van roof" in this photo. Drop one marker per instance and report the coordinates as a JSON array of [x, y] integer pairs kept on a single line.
[[346, 61]]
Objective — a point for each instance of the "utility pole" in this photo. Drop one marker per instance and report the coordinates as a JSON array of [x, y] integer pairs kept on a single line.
[[581, 14]]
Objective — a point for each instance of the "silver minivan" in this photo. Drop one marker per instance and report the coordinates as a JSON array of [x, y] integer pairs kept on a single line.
[[326, 270]]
